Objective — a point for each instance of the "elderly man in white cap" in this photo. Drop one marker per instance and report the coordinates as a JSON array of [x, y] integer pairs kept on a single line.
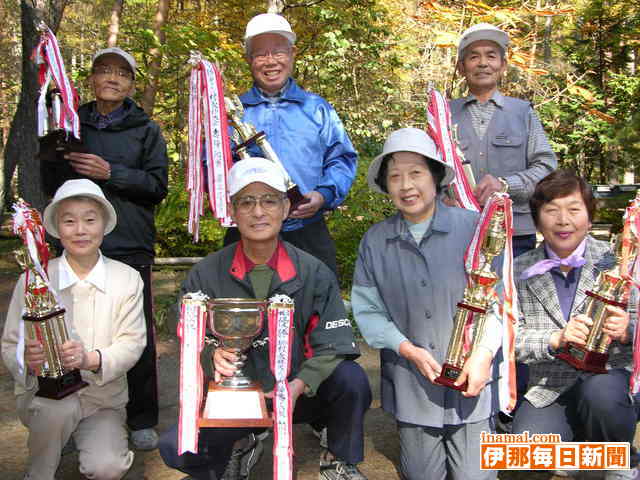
[[408, 280], [500, 136], [126, 155], [303, 129], [326, 384], [103, 302]]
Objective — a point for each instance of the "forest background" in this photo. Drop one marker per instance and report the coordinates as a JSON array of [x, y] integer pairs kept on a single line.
[[576, 61]]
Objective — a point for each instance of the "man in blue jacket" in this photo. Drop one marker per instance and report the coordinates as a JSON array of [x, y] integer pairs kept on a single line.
[[303, 129]]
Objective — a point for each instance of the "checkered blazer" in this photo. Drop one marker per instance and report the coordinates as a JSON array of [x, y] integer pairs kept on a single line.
[[541, 315]]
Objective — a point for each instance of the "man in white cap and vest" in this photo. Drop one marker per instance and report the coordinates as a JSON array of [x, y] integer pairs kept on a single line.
[[500, 136], [303, 129], [126, 156]]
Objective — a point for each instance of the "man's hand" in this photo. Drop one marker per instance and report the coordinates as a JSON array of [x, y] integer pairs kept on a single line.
[[89, 165], [487, 185], [296, 388], [33, 355], [616, 323], [308, 209], [223, 364], [422, 359], [576, 331], [73, 355], [476, 372]]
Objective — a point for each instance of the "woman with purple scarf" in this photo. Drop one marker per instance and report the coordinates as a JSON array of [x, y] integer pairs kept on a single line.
[[551, 283]]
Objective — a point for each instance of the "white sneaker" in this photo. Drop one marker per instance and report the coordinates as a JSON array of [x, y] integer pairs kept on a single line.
[[145, 439]]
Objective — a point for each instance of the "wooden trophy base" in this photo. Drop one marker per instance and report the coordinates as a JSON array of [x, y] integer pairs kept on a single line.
[[579, 357], [54, 145], [234, 408], [449, 375], [57, 388]]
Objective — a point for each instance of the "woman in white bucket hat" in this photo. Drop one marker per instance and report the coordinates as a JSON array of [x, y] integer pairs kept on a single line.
[[409, 277], [103, 303]]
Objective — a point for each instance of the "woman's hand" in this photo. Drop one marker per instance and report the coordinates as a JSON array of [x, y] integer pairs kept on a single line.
[[422, 359]]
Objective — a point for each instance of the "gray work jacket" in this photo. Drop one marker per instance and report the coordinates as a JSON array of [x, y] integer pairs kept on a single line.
[[420, 286]]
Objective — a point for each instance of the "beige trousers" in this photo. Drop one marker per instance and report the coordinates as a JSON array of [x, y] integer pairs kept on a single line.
[[101, 437]]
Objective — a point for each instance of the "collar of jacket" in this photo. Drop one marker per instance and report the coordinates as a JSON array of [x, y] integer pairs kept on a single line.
[[292, 94], [497, 98], [397, 227], [134, 116], [280, 262]]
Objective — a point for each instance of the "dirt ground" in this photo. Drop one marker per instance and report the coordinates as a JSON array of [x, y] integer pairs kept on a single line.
[[381, 444]]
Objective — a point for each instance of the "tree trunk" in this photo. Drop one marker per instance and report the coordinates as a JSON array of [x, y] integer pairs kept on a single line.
[[114, 23], [275, 6], [22, 144], [149, 95]]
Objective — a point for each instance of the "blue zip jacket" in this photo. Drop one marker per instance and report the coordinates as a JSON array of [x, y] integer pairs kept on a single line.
[[310, 140]]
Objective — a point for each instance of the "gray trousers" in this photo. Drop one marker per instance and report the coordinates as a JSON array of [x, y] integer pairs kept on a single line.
[[451, 452]]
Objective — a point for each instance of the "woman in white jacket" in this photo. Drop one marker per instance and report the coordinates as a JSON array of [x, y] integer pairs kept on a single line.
[[103, 302]]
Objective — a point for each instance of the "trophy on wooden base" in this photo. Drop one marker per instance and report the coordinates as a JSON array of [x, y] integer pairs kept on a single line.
[[236, 401], [247, 136], [612, 289], [470, 317], [44, 316]]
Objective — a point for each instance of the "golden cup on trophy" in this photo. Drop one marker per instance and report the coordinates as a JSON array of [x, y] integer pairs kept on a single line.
[[470, 317], [247, 135], [44, 321], [612, 289], [236, 401]]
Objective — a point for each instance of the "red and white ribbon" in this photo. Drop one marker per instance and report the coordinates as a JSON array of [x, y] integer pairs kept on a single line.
[[51, 65], [440, 129], [208, 128], [631, 237], [191, 330], [473, 260], [281, 310]]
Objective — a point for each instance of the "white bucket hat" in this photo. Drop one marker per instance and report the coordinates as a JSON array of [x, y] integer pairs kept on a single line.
[[255, 169], [78, 188], [483, 31], [407, 140], [267, 23], [119, 52]]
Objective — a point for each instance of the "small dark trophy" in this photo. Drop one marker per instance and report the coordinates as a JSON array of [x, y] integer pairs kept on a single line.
[[57, 141], [474, 303]]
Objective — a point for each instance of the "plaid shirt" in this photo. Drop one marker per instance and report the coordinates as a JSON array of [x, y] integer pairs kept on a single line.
[[541, 315]]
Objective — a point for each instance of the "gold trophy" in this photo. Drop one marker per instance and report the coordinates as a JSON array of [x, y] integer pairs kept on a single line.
[[612, 289], [247, 135], [44, 321], [475, 302], [236, 401]]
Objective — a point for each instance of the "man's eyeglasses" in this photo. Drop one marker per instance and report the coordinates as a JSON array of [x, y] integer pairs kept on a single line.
[[278, 54], [105, 71], [268, 202]]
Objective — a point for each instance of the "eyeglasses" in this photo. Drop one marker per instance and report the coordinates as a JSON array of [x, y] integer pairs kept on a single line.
[[105, 71], [278, 54], [268, 202]]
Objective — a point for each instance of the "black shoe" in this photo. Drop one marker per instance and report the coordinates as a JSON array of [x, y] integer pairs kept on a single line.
[[243, 459]]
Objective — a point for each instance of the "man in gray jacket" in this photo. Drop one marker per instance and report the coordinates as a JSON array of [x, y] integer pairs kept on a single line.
[[500, 136]]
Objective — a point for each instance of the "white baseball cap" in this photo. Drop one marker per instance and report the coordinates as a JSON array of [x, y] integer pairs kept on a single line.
[[78, 188], [119, 52], [255, 169], [267, 23], [407, 140], [483, 31]]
